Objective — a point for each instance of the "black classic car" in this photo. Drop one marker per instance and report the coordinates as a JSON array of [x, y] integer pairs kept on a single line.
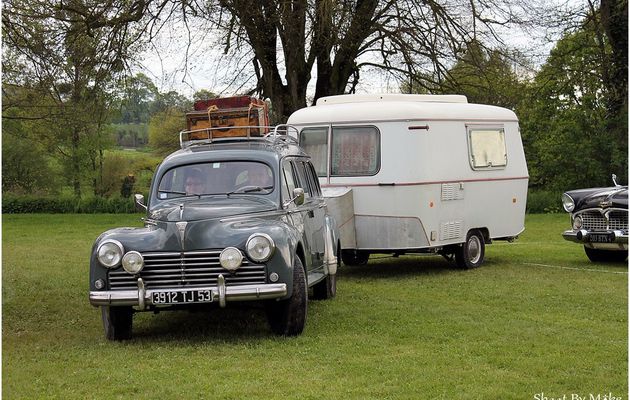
[[599, 219], [232, 219]]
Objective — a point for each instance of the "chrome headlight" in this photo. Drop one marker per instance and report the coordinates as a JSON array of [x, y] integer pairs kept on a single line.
[[231, 258], [567, 203], [260, 247], [577, 222], [110, 253], [133, 262]]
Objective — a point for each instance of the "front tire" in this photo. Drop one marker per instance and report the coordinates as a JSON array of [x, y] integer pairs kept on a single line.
[[288, 317], [117, 322], [598, 255], [471, 254]]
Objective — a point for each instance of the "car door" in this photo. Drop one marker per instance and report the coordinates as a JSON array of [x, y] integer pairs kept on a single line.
[[303, 216], [314, 208]]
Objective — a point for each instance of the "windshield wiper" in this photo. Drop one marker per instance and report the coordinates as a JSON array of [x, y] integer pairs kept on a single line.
[[172, 192], [184, 194], [250, 189]]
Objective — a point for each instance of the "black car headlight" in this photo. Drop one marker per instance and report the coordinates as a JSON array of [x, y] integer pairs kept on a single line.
[[110, 253], [567, 203], [260, 247]]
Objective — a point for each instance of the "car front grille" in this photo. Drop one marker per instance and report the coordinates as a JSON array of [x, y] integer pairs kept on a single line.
[[595, 221], [187, 269]]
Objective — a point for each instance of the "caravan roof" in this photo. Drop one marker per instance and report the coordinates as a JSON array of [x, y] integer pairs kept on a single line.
[[393, 107]]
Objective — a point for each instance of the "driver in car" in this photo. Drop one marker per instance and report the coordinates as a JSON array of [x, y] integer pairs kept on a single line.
[[194, 183]]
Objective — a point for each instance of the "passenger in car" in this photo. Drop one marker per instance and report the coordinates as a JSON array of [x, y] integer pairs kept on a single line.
[[258, 175]]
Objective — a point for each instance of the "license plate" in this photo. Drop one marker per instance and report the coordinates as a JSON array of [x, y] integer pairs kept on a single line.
[[181, 296], [600, 238]]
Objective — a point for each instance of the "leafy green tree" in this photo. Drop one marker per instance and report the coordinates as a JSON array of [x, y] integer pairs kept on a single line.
[[26, 165], [565, 119], [483, 75], [67, 66], [171, 100], [204, 94], [137, 98], [164, 127]]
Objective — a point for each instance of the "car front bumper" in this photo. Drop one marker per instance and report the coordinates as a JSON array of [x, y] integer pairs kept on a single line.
[[618, 240], [142, 297]]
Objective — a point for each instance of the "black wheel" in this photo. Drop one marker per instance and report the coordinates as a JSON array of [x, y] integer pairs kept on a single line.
[[354, 257], [325, 289], [471, 254], [598, 255], [117, 322], [288, 317]]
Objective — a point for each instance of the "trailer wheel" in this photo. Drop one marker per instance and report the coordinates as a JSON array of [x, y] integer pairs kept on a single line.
[[471, 254], [354, 257]]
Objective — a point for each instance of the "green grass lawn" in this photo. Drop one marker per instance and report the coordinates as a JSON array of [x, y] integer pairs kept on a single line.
[[536, 317]]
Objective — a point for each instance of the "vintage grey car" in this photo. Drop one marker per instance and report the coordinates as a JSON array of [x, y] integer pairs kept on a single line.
[[233, 219], [599, 219]]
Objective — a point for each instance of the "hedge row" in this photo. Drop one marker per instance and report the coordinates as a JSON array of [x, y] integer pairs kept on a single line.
[[544, 202], [12, 204], [538, 202]]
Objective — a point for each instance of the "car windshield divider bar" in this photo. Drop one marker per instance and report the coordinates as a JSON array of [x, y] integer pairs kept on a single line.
[[275, 134]]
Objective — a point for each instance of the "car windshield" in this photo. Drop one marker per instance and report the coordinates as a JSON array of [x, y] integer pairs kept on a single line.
[[216, 178]]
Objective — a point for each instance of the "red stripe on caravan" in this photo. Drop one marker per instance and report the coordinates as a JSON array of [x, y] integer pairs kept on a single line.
[[423, 183]]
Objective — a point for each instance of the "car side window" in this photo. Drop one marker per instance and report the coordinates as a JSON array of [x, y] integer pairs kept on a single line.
[[304, 181], [289, 181], [312, 179]]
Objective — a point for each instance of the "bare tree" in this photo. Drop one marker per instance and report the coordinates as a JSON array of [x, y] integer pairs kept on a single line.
[[289, 40]]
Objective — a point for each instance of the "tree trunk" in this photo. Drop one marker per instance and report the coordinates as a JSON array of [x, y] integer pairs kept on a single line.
[[76, 163]]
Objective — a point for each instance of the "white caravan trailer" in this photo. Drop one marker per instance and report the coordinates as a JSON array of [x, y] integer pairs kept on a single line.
[[417, 173]]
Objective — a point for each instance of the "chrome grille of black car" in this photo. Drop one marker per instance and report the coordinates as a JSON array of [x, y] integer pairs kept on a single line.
[[595, 221], [188, 269]]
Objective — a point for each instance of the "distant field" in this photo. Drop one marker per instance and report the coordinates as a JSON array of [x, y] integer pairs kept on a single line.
[[537, 317]]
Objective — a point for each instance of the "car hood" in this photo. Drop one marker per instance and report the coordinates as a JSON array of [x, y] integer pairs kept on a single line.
[[210, 208], [616, 197], [202, 234]]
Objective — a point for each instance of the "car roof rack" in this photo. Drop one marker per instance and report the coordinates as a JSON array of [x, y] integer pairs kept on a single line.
[[274, 134]]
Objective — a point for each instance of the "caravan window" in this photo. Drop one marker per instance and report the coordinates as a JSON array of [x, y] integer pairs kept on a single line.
[[315, 142], [355, 150], [487, 148]]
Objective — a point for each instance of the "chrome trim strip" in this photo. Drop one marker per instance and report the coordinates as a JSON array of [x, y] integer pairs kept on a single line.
[[221, 287], [600, 210], [141, 294], [581, 236], [261, 214], [232, 293]]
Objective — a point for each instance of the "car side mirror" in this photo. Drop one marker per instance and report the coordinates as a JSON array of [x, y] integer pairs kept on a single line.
[[140, 206], [298, 197]]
